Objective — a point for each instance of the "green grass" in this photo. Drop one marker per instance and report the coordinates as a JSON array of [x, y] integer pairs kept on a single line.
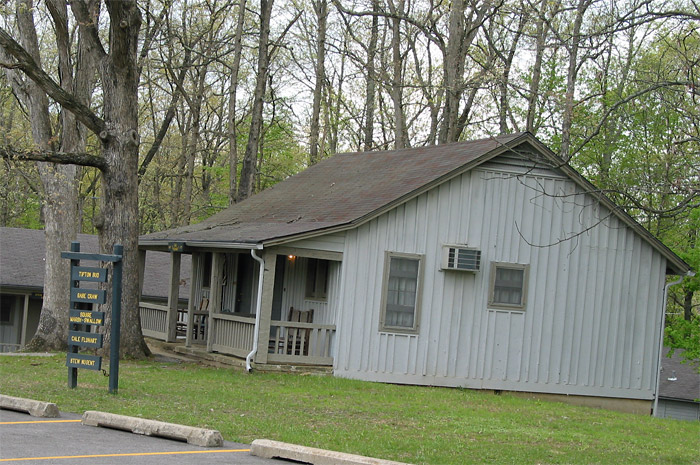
[[405, 423]]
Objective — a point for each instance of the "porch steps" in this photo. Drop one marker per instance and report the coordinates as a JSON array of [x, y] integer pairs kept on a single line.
[[198, 354]]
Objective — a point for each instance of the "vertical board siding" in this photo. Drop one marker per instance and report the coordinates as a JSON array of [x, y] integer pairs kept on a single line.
[[591, 322], [294, 291], [329, 242]]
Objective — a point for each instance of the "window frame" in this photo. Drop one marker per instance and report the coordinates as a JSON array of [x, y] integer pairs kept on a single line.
[[383, 327], [521, 307]]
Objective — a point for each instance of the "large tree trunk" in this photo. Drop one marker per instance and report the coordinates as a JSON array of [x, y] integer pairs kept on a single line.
[[120, 144], [245, 187]]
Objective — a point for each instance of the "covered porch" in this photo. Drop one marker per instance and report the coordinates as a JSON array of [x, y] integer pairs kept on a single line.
[[288, 305]]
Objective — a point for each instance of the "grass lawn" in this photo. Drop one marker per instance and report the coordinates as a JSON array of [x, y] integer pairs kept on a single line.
[[404, 423]]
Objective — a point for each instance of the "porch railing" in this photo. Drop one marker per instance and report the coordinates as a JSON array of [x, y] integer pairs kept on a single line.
[[7, 347], [154, 320], [301, 343], [233, 334]]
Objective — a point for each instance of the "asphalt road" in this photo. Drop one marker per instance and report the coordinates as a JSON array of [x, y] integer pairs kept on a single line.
[[65, 441]]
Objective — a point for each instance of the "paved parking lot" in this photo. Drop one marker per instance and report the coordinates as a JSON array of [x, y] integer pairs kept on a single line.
[[65, 440]]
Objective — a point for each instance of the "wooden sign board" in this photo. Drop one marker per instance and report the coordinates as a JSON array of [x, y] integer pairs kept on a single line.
[[86, 273], [85, 317], [89, 362], [84, 339], [93, 296]]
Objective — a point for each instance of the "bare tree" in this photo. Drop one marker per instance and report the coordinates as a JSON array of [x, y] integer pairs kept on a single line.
[[233, 91], [245, 186], [117, 133], [321, 11]]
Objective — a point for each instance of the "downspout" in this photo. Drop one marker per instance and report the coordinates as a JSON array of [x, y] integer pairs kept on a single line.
[[661, 338], [258, 306]]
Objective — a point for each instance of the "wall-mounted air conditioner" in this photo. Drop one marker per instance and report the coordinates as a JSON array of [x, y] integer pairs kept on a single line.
[[460, 258]]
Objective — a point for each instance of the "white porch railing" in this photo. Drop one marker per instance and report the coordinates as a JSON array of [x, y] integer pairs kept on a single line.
[[7, 347], [154, 320], [292, 343], [233, 334], [301, 343]]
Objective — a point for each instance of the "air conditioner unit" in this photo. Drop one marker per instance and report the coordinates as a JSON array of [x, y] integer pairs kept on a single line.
[[460, 258]]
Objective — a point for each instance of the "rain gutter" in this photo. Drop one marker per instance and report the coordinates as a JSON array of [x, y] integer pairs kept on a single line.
[[258, 307]]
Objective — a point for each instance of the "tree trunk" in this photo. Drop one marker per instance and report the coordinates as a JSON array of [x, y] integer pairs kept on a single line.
[[120, 148], [60, 188], [371, 80], [245, 187], [401, 137], [118, 137], [571, 77], [541, 36], [232, 129], [193, 146], [321, 10]]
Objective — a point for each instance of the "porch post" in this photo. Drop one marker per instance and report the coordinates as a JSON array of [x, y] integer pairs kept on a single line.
[[217, 263], [173, 296], [190, 302], [25, 313], [268, 287], [142, 271]]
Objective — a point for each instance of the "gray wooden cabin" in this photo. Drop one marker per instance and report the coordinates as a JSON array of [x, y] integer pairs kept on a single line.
[[488, 264]]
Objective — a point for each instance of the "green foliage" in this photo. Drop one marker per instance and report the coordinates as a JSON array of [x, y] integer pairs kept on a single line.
[[413, 424], [683, 334]]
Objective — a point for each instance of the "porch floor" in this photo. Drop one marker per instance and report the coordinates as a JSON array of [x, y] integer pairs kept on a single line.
[[176, 351]]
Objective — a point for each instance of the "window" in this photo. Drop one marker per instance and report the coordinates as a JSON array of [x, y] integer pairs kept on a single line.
[[508, 286], [317, 279], [401, 292]]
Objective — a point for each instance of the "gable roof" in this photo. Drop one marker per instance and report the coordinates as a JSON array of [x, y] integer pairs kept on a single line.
[[23, 258], [679, 381], [348, 189]]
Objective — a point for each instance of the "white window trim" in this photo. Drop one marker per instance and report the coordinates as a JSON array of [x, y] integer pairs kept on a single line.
[[419, 291], [492, 284]]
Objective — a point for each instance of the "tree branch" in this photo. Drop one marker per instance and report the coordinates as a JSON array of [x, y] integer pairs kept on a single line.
[[63, 158], [26, 64]]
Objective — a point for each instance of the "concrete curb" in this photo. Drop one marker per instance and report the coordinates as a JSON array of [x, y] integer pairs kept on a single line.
[[194, 436], [33, 407], [273, 449]]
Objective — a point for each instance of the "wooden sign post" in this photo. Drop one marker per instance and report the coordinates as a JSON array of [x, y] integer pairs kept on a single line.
[[82, 321]]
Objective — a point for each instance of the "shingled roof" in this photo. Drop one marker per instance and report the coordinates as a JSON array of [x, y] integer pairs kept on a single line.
[[341, 190], [679, 379], [348, 189]]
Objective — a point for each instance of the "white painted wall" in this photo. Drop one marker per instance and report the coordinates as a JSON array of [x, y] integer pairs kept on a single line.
[[592, 319]]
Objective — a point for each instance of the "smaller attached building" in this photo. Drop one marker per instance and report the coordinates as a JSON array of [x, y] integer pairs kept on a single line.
[[679, 388], [488, 264]]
